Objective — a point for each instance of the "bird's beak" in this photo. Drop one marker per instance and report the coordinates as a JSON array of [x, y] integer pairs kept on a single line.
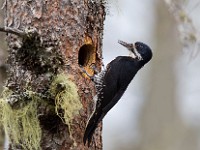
[[131, 47]]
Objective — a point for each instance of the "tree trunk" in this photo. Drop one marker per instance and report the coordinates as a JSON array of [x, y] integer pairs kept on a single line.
[[161, 124], [47, 99], [3, 55]]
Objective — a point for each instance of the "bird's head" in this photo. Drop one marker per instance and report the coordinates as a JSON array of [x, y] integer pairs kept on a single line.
[[141, 51]]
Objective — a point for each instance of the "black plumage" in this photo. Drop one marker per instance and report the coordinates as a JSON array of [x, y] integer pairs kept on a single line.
[[112, 82]]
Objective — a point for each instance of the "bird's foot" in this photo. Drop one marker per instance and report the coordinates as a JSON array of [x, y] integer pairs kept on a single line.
[[84, 71]]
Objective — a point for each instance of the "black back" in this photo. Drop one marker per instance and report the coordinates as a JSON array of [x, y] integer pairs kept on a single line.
[[114, 83], [119, 74]]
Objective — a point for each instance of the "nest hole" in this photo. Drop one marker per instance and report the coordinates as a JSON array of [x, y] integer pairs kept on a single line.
[[85, 55]]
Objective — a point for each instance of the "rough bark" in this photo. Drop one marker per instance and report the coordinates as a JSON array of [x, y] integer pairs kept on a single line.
[[67, 33]]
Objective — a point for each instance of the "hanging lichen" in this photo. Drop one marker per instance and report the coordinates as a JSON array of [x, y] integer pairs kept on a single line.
[[67, 103], [21, 125]]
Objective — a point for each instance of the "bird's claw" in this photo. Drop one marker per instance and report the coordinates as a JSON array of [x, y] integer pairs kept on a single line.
[[84, 71]]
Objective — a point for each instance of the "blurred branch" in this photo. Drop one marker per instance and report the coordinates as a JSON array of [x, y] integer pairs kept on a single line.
[[12, 31], [188, 32]]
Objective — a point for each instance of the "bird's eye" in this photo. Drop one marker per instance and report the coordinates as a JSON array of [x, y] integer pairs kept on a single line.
[[139, 46]]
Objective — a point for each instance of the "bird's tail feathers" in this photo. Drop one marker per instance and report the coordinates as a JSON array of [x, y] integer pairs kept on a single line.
[[90, 128]]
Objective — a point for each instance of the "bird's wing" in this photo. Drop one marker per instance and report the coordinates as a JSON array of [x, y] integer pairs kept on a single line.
[[91, 126], [112, 103], [98, 116]]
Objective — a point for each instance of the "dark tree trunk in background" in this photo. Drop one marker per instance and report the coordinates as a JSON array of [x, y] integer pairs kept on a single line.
[[3, 55], [70, 34], [161, 124]]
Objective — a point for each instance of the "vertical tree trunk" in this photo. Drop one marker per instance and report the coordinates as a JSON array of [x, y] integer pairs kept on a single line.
[[161, 124], [3, 55], [45, 75]]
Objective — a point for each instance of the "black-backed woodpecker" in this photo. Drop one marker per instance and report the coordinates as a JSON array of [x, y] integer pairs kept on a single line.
[[112, 82]]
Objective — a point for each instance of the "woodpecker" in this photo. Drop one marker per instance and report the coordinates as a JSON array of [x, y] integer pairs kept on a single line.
[[112, 82]]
